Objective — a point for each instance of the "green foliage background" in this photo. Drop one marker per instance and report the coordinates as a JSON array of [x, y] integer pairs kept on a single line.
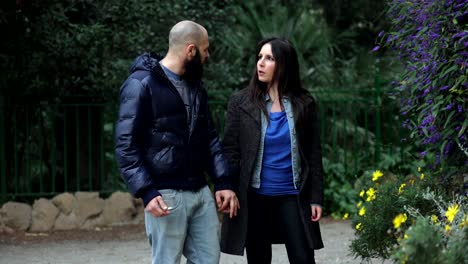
[[60, 49]]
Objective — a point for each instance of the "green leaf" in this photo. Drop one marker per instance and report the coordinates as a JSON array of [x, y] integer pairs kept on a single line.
[[449, 118], [463, 128], [450, 69]]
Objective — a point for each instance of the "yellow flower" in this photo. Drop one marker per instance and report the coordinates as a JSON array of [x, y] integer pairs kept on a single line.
[[359, 226], [447, 228], [452, 212], [345, 216], [362, 211], [419, 169], [400, 190], [371, 193], [405, 236], [376, 175], [398, 220], [361, 194], [434, 219], [422, 176], [359, 204], [464, 222]]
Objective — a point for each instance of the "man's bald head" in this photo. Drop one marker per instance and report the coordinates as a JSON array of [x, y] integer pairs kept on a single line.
[[186, 32], [188, 49]]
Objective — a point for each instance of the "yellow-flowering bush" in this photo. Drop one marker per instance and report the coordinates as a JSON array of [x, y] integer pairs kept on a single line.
[[381, 216], [440, 238], [407, 220]]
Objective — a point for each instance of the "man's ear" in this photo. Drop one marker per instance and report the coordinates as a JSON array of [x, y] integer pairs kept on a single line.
[[191, 50]]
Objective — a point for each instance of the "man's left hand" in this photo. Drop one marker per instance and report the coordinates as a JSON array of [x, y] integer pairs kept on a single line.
[[227, 202]]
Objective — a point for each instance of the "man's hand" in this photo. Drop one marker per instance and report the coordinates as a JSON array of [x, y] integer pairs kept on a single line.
[[157, 207], [316, 213], [227, 202]]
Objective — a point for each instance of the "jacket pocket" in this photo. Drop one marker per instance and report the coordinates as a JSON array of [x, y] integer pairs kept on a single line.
[[167, 160]]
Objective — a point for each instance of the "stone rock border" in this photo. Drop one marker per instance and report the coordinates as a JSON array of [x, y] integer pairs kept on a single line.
[[66, 211]]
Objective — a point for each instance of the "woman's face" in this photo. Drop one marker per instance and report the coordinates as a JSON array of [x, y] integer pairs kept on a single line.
[[266, 64]]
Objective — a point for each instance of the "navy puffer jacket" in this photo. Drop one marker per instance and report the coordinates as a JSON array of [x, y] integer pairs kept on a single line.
[[154, 146]]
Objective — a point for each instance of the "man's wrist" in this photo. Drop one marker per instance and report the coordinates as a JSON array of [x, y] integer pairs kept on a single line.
[[149, 195]]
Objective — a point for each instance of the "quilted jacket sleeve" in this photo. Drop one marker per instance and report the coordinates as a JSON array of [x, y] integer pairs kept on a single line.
[[128, 140]]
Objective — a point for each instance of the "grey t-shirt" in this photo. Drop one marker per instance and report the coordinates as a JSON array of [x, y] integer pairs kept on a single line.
[[186, 92]]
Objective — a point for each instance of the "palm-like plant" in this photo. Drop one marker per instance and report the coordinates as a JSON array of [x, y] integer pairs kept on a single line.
[[304, 27]]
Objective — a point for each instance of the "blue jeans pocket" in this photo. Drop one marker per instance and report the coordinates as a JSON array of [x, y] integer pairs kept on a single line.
[[172, 198]]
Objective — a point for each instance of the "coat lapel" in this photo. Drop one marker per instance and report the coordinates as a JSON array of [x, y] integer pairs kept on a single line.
[[251, 111], [252, 125]]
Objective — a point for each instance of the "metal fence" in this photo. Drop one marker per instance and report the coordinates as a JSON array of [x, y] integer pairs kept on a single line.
[[50, 147]]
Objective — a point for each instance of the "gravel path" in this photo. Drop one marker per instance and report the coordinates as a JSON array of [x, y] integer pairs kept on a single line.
[[128, 246]]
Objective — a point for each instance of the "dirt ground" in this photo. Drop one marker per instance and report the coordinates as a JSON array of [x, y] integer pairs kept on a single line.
[[117, 233], [128, 244]]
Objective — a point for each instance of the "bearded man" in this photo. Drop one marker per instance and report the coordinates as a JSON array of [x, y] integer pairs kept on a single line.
[[165, 141]]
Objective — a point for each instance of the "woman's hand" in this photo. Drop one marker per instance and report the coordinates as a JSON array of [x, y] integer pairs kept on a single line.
[[316, 213]]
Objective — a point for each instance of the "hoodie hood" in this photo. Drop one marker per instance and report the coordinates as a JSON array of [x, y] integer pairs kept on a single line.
[[146, 62]]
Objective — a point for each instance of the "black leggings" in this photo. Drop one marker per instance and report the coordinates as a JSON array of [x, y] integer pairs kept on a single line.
[[276, 214]]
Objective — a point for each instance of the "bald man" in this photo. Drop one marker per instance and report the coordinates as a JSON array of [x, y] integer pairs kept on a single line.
[[165, 142]]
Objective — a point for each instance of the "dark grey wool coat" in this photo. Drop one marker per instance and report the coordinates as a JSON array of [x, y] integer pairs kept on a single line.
[[241, 142]]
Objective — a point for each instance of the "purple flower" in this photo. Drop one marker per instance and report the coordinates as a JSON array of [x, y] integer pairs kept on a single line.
[[376, 48], [448, 148], [425, 92], [443, 88], [449, 3], [459, 6], [423, 154], [434, 51], [381, 33], [406, 124], [460, 34], [428, 120]]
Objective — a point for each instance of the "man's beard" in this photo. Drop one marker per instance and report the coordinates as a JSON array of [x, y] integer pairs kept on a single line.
[[194, 68]]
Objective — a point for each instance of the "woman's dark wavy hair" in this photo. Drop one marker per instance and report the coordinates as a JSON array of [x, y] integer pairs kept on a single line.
[[286, 75]]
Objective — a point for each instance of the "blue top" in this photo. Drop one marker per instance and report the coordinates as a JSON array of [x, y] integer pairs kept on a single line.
[[277, 173], [255, 181]]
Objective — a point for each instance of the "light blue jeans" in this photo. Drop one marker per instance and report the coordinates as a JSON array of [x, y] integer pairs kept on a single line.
[[191, 229]]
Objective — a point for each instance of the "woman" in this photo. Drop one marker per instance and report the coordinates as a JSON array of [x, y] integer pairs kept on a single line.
[[272, 142]]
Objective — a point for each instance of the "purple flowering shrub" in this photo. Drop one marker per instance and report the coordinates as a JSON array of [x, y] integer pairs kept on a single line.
[[430, 39]]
